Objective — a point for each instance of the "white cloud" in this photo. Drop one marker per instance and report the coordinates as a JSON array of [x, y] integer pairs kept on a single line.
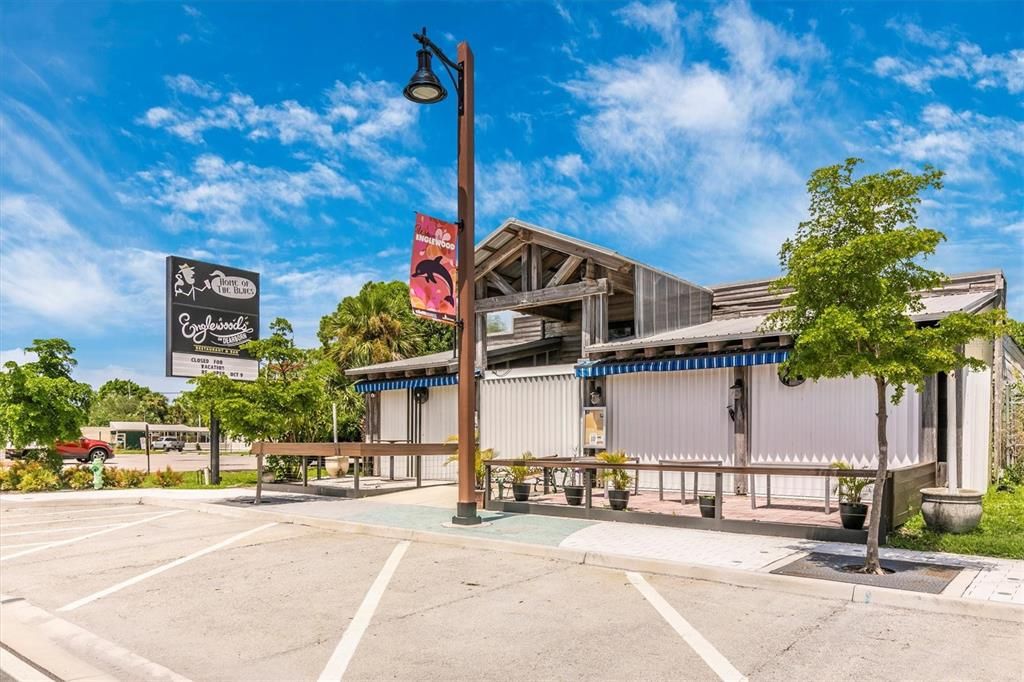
[[967, 145], [698, 148], [236, 197], [360, 117], [914, 33], [191, 11], [16, 355], [965, 61], [660, 17], [569, 165], [187, 85], [53, 271]]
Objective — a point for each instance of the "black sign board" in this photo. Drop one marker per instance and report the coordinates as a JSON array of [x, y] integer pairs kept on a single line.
[[212, 310]]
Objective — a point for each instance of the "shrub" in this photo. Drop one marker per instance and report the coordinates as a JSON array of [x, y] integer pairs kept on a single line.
[[38, 478], [168, 478], [128, 478], [6, 478], [79, 478], [48, 459], [16, 471], [283, 468]]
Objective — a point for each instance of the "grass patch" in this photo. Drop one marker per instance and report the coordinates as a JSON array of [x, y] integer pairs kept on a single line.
[[1000, 533], [228, 479], [193, 481]]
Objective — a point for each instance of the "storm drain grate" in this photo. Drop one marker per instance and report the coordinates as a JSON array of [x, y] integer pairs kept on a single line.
[[906, 575]]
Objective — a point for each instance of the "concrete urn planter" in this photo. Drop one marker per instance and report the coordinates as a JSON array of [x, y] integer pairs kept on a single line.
[[951, 512], [336, 466]]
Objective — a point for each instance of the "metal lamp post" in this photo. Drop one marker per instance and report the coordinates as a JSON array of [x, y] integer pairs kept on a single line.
[[425, 88]]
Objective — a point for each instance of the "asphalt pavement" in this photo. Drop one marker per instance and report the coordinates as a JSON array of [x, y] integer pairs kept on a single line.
[[143, 592], [182, 461]]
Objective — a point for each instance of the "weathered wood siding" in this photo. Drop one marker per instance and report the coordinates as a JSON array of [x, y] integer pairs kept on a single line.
[[906, 484]]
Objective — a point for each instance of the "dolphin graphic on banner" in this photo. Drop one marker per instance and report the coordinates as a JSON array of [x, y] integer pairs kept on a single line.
[[432, 272]]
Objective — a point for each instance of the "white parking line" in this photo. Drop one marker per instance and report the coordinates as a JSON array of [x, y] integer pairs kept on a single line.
[[73, 518], [19, 512], [55, 530], [716, 661], [160, 569], [24, 544], [342, 656], [61, 543]]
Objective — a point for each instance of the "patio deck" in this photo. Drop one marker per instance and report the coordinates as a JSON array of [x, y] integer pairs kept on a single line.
[[804, 511]]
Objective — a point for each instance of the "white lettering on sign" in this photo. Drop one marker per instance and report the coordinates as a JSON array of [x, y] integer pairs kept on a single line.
[[232, 287], [191, 365], [237, 331]]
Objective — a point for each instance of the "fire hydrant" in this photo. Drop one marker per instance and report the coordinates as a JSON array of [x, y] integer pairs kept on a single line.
[[97, 472]]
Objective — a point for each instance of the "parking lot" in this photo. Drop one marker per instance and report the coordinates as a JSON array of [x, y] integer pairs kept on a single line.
[[207, 597]]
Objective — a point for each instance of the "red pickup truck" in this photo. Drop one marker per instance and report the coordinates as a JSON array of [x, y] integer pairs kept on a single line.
[[83, 450]]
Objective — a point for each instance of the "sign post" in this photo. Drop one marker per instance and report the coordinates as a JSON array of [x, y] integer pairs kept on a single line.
[[212, 311]]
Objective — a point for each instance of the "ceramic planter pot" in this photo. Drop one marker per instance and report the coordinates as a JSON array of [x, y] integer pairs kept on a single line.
[[521, 491], [574, 495], [853, 515], [707, 506], [618, 499], [336, 466], [951, 512]]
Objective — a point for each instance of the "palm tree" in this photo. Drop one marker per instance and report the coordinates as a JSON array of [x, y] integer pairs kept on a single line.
[[374, 326]]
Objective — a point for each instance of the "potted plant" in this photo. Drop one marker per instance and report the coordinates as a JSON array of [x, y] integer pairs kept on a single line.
[[617, 481], [517, 474], [852, 511], [479, 468], [706, 503], [573, 493]]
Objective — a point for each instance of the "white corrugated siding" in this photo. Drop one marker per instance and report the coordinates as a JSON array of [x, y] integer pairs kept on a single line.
[[822, 422], [671, 415], [977, 419], [393, 416], [439, 420], [539, 414]]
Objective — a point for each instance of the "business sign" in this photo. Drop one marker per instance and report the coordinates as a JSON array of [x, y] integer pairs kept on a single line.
[[432, 274], [211, 311]]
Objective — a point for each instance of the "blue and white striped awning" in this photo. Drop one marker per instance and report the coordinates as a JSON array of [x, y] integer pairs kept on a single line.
[[372, 386], [603, 368]]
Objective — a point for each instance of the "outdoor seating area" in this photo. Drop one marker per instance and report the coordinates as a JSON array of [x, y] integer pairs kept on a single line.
[[556, 486]]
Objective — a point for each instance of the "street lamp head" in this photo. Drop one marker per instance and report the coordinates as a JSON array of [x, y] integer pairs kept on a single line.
[[424, 87]]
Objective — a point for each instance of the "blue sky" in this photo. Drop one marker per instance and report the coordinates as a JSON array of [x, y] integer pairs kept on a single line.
[[274, 137]]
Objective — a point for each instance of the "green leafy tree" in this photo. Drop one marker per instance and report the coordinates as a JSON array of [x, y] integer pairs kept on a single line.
[[290, 399], [854, 268], [125, 400], [377, 325], [39, 401]]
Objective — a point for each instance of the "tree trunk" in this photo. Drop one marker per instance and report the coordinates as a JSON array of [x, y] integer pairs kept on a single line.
[[871, 563]]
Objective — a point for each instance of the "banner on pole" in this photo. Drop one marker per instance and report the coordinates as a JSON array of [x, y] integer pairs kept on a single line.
[[432, 273]]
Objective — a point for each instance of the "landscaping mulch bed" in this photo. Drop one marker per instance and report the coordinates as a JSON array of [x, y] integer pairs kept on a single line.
[[906, 575]]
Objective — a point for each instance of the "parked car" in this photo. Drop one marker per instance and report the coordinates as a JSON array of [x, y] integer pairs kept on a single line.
[[82, 450], [166, 443]]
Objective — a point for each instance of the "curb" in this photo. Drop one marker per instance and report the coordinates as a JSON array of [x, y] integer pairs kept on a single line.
[[807, 587]]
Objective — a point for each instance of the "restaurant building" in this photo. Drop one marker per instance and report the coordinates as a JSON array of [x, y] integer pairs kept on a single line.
[[608, 353]]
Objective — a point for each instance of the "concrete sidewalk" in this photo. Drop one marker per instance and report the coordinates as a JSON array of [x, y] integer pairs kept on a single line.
[[726, 557]]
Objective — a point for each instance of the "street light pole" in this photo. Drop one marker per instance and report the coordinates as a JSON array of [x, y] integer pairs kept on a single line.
[[466, 510], [425, 88]]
